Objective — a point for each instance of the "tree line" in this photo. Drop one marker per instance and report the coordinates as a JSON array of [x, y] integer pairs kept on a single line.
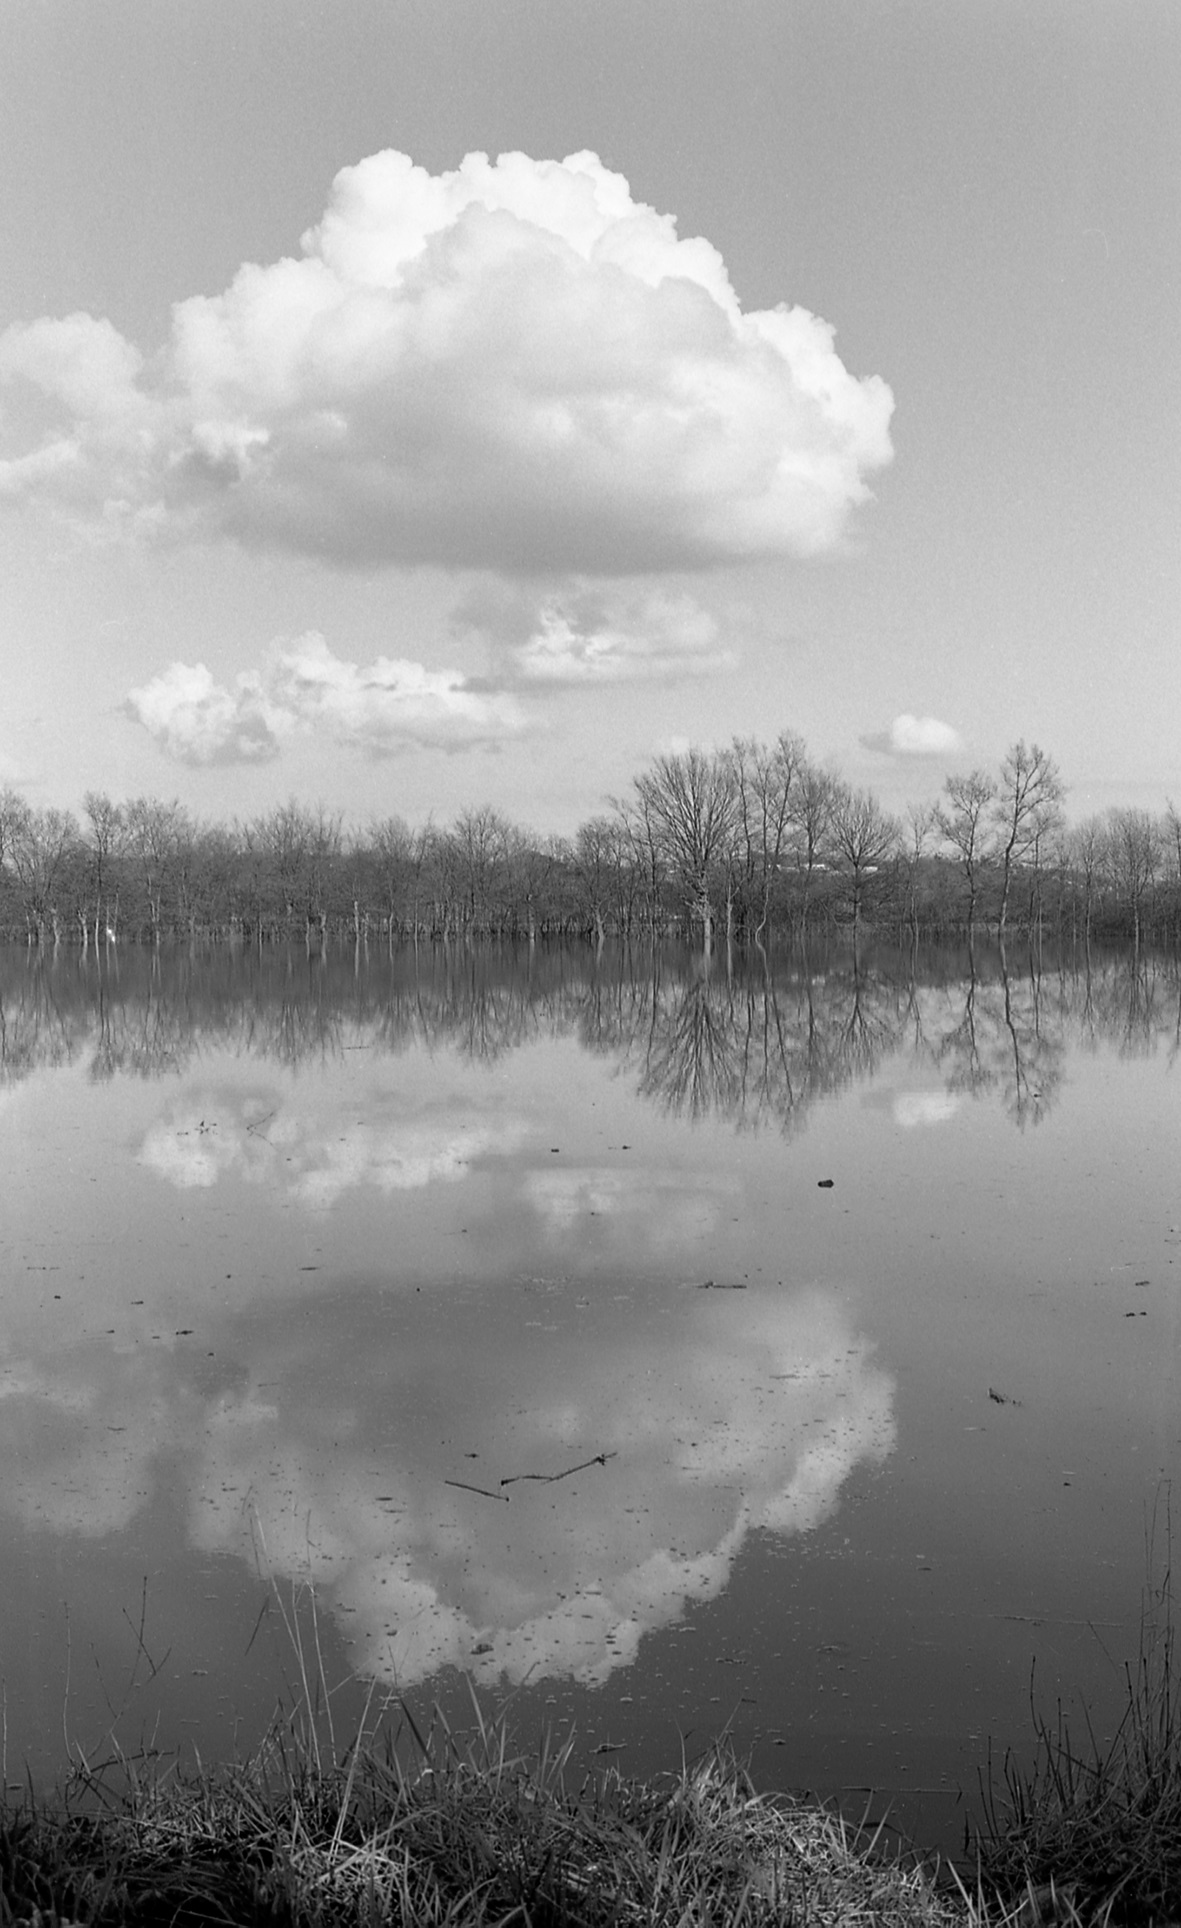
[[735, 846]]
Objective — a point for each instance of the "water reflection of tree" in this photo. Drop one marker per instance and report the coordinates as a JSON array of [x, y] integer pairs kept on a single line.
[[38, 1029], [959, 1048], [1033, 1068], [1009, 1037], [1131, 1004], [762, 1049], [757, 1045]]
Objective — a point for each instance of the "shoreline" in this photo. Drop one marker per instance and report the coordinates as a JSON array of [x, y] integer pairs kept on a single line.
[[467, 1833], [442, 1830]]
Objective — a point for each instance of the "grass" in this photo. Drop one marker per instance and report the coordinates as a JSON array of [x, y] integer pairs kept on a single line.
[[440, 1831], [1092, 1832], [446, 1830]]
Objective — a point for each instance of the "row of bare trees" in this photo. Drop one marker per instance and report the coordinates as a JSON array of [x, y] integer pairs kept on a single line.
[[732, 845]]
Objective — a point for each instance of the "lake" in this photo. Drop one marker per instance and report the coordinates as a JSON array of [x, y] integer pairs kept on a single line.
[[791, 1349]]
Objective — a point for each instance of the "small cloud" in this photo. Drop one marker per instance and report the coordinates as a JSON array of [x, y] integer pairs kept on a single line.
[[513, 365], [379, 708], [583, 637], [915, 736], [913, 1108]]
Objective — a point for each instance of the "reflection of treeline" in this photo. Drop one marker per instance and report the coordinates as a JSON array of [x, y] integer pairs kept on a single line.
[[739, 845], [756, 1044]]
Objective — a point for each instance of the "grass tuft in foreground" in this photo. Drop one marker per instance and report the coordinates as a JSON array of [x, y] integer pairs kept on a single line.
[[445, 1833], [443, 1830], [1092, 1833]]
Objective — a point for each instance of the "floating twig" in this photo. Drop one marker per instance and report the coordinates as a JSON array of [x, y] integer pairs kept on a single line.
[[599, 1459], [1055, 1620], [464, 1487]]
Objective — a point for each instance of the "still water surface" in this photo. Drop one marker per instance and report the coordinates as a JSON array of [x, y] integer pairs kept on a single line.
[[795, 1349]]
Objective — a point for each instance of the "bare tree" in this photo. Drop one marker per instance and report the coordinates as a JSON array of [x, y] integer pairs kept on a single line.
[[765, 778], [811, 814], [155, 834], [692, 801], [963, 824], [1171, 832], [1171, 839], [641, 834], [391, 842], [108, 837], [1027, 808], [595, 858], [295, 853], [1134, 851], [277, 844], [481, 838], [40, 843], [1085, 850], [920, 820], [325, 844], [14, 813], [864, 836], [530, 865]]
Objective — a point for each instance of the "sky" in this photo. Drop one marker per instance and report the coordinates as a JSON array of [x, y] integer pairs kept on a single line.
[[410, 405]]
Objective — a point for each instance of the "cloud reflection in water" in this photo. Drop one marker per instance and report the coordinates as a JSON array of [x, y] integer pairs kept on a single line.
[[316, 1155], [328, 1447]]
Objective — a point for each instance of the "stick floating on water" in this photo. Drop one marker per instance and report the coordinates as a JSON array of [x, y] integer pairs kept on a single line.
[[598, 1459]]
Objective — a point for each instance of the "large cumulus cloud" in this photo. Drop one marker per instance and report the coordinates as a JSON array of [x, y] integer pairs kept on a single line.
[[513, 365]]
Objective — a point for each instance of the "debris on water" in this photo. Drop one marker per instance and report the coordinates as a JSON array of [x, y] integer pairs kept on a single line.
[[1002, 1398], [825, 1184], [723, 1285], [547, 1479], [464, 1487]]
